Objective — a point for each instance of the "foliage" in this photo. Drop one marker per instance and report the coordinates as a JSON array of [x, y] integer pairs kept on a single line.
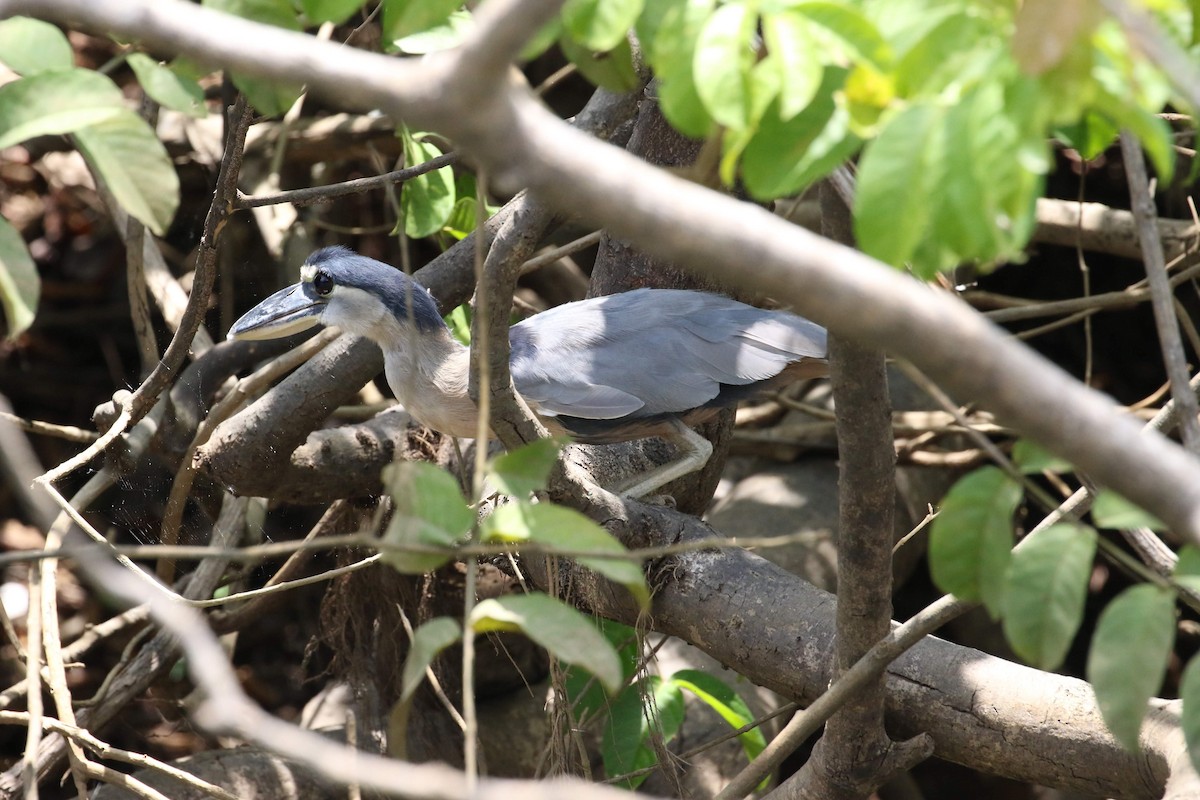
[[1039, 590], [430, 517], [648, 707]]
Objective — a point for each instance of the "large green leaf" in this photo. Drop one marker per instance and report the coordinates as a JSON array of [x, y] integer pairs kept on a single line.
[[566, 633], [428, 640], [722, 61], [56, 102], [894, 200], [852, 29], [1129, 655], [403, 18], [653, 707], [268, 97], [600, 24], [1031, 458], [971, 538], [1111, 510], [613, 70], [786, 156], [526, 469], [29, 46], [672, 56], [19, 283], [429, 509], [128, 156], [559, 527], [335, 11], [167, 87], [1047, 587], [795, 55], [721, 698], [427, 201]]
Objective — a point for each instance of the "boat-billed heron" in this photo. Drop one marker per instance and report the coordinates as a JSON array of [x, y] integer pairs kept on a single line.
[[609, 369]]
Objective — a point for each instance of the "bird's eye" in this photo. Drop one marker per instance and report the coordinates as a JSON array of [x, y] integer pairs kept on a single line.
[[323, 283]]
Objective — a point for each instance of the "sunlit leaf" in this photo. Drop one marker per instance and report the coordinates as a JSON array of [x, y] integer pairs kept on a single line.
[[526, 469], [1032, 459], [613, 70], [167, 87], [721, 698], [600, 24], [795, 55], [403, 18], [554, 526], [133, 163], [335, 11], [566, 633], [56, 102], [429, 509], [426, 200], [722, 61], [29, 46]]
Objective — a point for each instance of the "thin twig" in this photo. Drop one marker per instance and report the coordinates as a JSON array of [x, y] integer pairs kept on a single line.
[[315, 195], [1156, 275]]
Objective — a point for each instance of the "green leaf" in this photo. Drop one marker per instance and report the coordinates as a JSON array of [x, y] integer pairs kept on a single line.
[[403, 18], [429, 509], [600, 24], [29, 46], [432, 40], [785, 157], [1033, 459], [721, 698], [633, 719], [1189, 692], [525, 470], [56, 102], [1046, 590], [1187, 568], [566, 633], [1129, 655], [795, 55], [897, 165], [335, 11], [268, 98], [613, 70], [167, 87], [672, 57], [1152, 131], [426, 200], [428, 640], [554, 526], [722, 61], [587, 697], [936, 61], [1111, 510], [971, 538], [19, 283], [128, 156], [459, 322], [852, 29], [280, 13]]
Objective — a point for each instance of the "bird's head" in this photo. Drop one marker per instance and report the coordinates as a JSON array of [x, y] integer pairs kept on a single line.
[[340, 287]]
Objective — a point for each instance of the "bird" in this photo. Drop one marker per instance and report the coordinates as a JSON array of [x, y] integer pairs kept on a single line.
[[642, 363]]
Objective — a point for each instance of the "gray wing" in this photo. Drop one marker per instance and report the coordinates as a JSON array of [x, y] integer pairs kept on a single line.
[[652, 351]]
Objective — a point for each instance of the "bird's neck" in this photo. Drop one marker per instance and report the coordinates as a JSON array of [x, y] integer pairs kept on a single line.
[[429, 373]]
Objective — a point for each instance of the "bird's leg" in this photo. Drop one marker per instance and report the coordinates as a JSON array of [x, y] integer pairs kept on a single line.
[[696, 452]]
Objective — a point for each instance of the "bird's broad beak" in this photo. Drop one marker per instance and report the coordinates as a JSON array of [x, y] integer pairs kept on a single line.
[[291, 310]]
